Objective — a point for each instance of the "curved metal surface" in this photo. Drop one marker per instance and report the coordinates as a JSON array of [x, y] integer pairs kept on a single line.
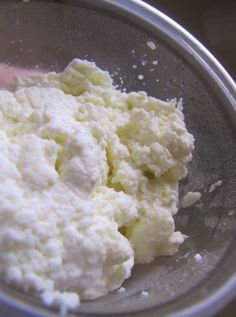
[[114, 34]]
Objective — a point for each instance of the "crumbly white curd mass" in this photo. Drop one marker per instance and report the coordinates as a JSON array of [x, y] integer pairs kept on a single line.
[[88, 182]]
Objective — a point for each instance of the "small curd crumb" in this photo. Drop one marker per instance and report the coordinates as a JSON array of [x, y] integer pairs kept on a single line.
[[197, 258], [121, 290], [144, 62], [179, 104], [155, 62], [144, 294], [152, 45], [140, 77], [231, 213], [134, 66], [215, 185], [26, 1], [190, 199]]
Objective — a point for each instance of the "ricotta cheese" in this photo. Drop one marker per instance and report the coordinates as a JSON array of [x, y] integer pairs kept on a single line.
[[88, 182]]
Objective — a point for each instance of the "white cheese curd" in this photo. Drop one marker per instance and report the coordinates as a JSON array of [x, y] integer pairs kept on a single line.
[[121, 290], [144, 294], [190, 199], [197, 258], [88, 183], [151, 45], [215, 185]]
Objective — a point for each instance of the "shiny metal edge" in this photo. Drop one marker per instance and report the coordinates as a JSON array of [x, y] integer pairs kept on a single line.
[[226, 292]]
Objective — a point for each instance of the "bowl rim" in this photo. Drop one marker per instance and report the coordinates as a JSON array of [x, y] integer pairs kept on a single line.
[[196, 51]]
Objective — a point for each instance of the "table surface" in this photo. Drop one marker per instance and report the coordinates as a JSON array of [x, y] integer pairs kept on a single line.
[[213, 22]]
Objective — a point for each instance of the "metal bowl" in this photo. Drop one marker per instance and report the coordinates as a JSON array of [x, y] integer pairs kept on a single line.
[[115, 34]]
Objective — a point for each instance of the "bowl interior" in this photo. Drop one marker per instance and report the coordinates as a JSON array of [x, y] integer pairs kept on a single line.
[[47, 35]]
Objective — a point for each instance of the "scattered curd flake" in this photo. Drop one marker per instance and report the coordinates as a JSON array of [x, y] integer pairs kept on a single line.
[[155, 62], [144, 62], [179, 104], [152, 45], [140, 77], [231, 213], [144, 294], [26, 1], [64, 224], [134, 66], [121, 290], [190, 199], [197, 258], [215, 185]]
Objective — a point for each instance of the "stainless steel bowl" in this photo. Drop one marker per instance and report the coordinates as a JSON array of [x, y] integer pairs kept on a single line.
[[48, 34]]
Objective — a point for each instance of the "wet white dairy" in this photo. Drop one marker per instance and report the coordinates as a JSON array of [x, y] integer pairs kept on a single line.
[[88, 183]]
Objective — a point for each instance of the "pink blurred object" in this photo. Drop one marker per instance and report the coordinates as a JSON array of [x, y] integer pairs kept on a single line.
[[8, 72]]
